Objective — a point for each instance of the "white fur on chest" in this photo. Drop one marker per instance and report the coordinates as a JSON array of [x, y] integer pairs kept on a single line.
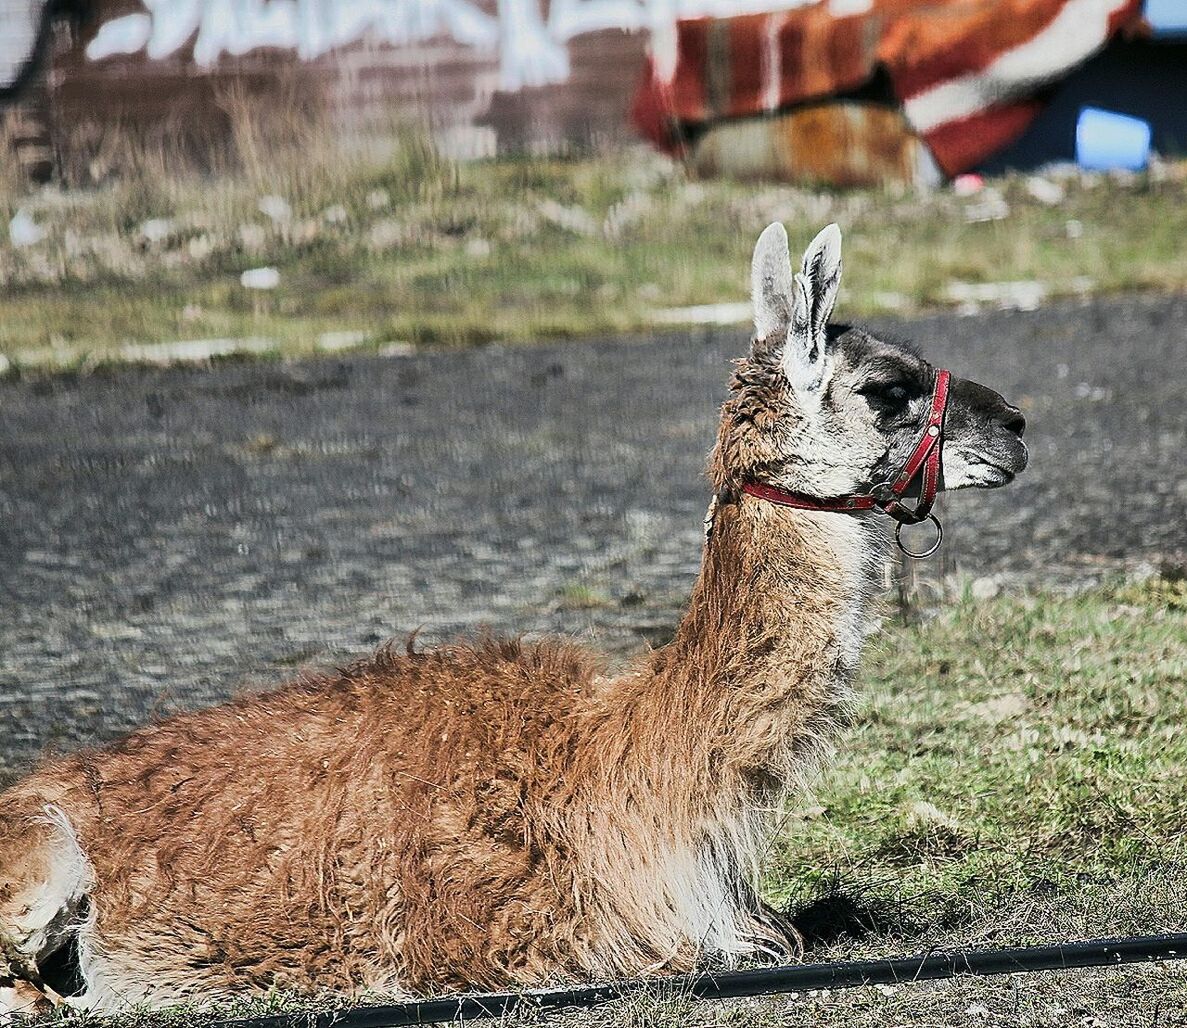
[[858, 546]]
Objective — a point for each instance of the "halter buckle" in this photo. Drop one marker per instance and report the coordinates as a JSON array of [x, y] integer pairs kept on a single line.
[[898, 537]]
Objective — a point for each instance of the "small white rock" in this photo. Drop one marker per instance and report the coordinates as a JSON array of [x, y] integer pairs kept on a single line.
[[24, 231], [386, 234], [1092, 393], [478, 248], [1074, 228], [156, 229], [1044, 190], [5, 365], [194, 349], [991, 206], [704, 314], [336, 215], [985, 588], [397, 349], [332, 342], [572, 219], [1022, 296], [275, 207], [200, 247], [379, 199], [260, 278], [976, 1010]]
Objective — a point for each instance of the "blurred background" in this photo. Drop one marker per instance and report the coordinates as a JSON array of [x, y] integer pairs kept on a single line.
[[849, 92], [288, 175], [269, 265]]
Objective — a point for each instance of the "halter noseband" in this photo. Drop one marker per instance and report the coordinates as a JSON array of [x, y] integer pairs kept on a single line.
[[886, 497]]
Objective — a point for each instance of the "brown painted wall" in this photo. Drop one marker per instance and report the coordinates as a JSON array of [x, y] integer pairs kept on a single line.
[[455, 88]]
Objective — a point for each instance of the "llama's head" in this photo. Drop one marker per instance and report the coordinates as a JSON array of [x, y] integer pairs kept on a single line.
[[833, 410]]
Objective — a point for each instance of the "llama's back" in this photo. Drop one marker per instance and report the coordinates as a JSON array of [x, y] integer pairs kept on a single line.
[[372, 828]]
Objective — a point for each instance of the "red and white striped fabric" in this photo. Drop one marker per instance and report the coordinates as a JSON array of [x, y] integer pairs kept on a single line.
[[969, 74]]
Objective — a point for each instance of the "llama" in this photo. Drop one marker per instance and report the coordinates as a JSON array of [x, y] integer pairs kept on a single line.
[[506, 814]]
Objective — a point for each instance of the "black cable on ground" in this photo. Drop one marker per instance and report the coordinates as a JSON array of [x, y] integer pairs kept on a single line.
[[758, 982]]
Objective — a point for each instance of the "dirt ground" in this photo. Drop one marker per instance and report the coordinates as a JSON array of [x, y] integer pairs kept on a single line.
[[167, 536]]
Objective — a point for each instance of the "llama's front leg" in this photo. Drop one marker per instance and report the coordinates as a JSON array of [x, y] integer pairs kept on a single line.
[[44, 882], [20, 999]]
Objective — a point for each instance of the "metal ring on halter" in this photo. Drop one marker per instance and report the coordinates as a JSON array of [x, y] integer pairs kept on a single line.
[[931, 549]]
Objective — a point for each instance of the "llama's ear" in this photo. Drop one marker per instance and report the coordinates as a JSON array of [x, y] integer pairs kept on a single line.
[[815, 295], [771, 291]]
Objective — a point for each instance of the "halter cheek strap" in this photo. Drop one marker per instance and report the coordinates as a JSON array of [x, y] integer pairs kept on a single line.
[[924, 463]]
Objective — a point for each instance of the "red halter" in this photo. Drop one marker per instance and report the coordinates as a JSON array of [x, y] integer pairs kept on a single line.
[[887, 497]]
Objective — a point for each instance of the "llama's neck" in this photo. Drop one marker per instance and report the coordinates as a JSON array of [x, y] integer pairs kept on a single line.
[[773, 632], [758, 670]]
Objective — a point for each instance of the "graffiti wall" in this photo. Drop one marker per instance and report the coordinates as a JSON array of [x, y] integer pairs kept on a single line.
[[20, 27], [488, 74]]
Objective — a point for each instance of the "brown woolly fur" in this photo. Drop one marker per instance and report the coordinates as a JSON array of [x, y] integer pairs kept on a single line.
[[747, 445], [502, 813], [474, 816]]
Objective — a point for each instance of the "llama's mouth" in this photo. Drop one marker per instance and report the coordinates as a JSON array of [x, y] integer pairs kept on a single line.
[[975, 471], [986, 475], [995, 476]]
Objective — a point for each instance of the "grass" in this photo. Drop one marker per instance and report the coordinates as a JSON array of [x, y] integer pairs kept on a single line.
[[1014, 774], [1009, 745], [395, 244]]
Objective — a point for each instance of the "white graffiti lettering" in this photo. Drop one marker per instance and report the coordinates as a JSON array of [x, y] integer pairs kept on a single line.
[[531, 50]]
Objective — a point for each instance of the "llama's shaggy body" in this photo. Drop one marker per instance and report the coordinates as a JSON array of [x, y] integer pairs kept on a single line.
[[502, 813], [472, 816]]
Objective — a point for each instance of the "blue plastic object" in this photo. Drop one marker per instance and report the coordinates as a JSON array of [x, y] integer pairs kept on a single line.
[[1106, 141], [1167, 17]]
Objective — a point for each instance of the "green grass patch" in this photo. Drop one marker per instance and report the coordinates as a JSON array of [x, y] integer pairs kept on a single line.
[[401, 245], [1007, 746]]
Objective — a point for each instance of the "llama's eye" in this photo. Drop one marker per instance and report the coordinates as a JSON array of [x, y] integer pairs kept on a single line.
[[890, 394]]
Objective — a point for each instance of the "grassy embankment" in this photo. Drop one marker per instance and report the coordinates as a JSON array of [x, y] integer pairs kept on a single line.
[[397, 245]]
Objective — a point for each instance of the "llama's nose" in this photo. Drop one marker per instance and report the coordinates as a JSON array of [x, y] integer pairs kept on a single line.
[[1013, 420]]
